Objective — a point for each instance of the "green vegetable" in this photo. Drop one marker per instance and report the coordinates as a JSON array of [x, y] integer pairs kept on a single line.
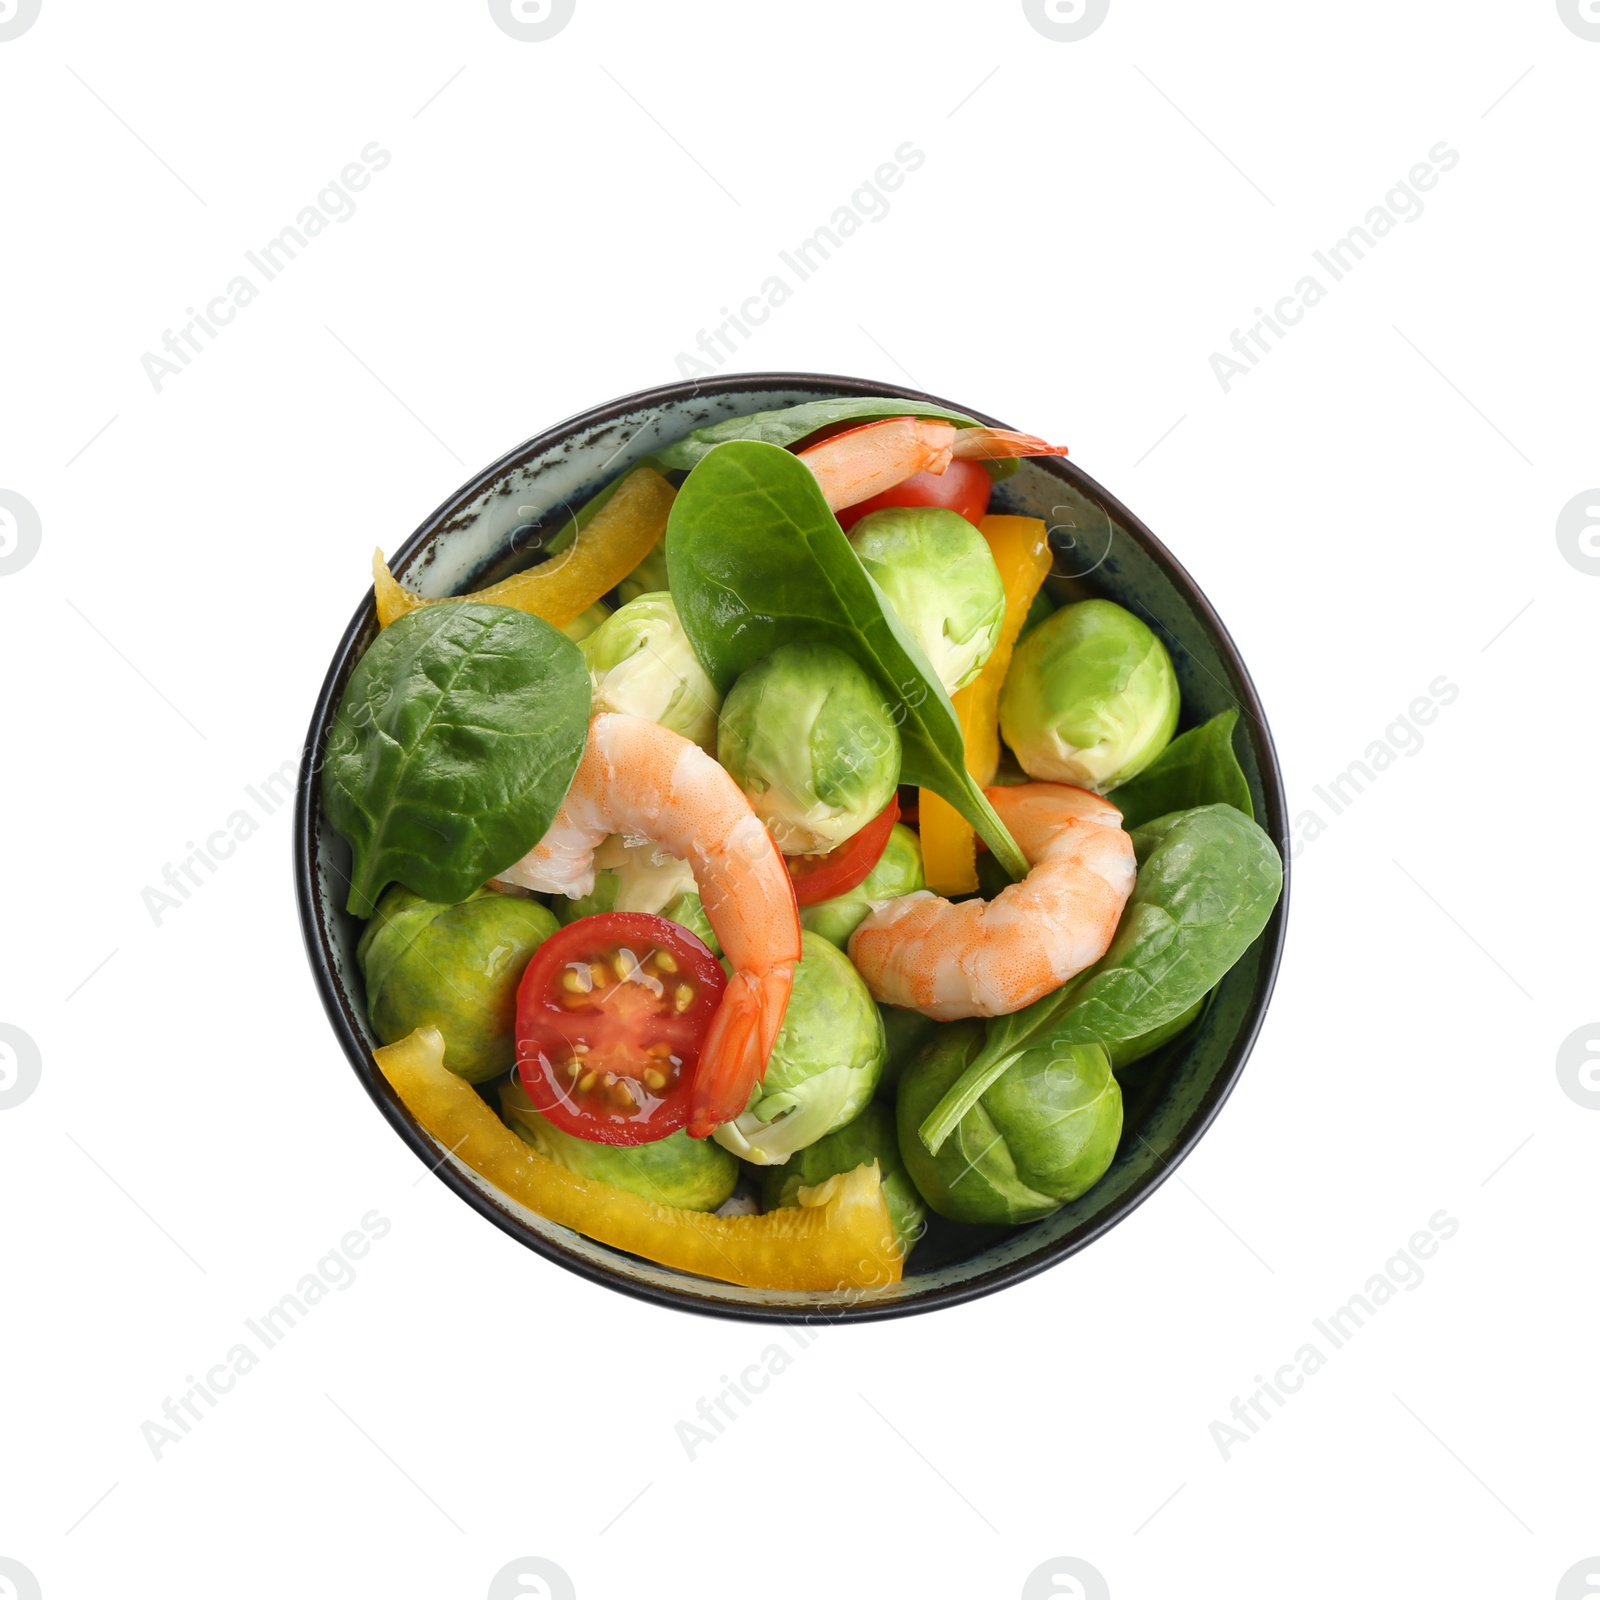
[[1040, 1134], [687, 911], [455, 741], [455, 968], [1042, 607], [636, 875], [898, 871], [690, 1174], [794, 423], [939, 574], [586, 622], [1208, 880], [758, 560], [824, 1066], [807, 736], [641, 663], [1091, 698], [1126, 1051], [1198, 768], [649, 577], [906, 1033], [870, 1137]]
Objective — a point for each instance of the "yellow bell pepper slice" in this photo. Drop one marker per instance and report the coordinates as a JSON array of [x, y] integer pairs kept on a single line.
[[621, 534], [949, 848], [838, 1237]]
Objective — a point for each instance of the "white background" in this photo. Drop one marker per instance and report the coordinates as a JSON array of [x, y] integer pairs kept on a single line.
[[1373, 507]]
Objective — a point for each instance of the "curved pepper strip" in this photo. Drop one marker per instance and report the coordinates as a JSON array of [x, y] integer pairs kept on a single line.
[[838, 1237], [622, 533], [949, 849]]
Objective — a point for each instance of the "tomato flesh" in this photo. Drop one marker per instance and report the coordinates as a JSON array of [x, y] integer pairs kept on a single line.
[[963, 487], [819, 878], [612, 1012]]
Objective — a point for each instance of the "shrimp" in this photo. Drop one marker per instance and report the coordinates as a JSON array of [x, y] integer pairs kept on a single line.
[[978, 958], [855, 465], [643, 780]]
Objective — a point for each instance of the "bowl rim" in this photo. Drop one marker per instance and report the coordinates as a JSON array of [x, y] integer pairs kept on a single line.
[[347, 1029]]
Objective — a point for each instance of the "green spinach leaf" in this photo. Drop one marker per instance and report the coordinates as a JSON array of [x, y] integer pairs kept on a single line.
[[794, 423], [1208, 880], [756, 559], [456, 739], [1198, 768]]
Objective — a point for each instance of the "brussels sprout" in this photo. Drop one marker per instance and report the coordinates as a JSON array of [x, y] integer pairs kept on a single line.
[[691, 1174], [1042, 1134], [630, 876], [871, 1137], [898, 871], [640, 876], [687, 911], [649, 577], [823, 1067], [454, 966], [641, 662], [806, 734], [1091, 697], [939, 574], [905, 1034], [586, 622], [1127, 1051]]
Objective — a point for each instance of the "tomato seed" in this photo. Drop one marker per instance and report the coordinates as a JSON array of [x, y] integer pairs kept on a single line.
[[683, 997], [665, 962], [654, 1079], [586, 1082]]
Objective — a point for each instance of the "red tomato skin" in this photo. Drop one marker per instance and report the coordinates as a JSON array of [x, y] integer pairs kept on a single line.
[[963, 487], [547, 1028], [846, 865]]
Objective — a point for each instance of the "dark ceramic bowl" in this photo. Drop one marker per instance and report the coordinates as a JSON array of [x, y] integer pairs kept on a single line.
[[1101, 548]]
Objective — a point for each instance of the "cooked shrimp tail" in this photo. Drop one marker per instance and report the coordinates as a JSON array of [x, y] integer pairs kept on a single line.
[[736, 1049], [857, 464]]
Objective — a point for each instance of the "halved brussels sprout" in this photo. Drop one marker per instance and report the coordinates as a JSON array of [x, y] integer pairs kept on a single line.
[[456, 967], [638, 875], [823, 1067], [939, 574], [898, 871], [1091, 698], [807, 735], [1042, 1134], [870, 1137], [691, 1174], [641, 662]]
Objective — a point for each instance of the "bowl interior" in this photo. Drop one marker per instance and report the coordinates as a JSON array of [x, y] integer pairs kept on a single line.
[[1100, 549]]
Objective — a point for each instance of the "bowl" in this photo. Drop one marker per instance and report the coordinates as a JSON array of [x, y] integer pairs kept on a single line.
[[482, 532]]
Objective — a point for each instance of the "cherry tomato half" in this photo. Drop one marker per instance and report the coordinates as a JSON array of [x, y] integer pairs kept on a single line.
[[611, 1014], [818, 878], [963, 487]]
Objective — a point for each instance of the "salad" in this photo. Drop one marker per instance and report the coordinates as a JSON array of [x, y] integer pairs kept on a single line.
[[775, 862]]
